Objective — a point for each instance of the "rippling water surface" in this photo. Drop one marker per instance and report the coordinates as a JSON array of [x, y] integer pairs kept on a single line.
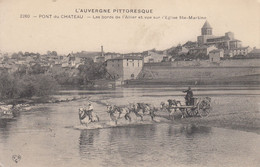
[[50, 135]]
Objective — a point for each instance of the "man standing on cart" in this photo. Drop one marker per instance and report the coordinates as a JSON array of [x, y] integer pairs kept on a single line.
[[189, 96]]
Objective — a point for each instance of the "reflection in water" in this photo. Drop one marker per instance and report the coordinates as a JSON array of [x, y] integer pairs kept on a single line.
[[87, 137], [4, 123], [191, 130], [86, 142], [188, 130], [6, 126], [190, 140], [133, 145]]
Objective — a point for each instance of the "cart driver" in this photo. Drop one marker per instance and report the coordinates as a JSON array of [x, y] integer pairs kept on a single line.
[[189, 96]]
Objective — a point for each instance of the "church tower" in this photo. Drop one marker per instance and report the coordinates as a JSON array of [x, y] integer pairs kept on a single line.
[[206, 33], [206, 29]]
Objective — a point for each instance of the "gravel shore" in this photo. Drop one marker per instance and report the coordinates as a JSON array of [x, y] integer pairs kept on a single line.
[[229, 111]]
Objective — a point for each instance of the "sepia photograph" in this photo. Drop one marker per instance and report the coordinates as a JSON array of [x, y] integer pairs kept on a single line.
[[127, 83]]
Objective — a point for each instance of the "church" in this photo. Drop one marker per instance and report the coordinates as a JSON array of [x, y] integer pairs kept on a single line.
[[225, 42]]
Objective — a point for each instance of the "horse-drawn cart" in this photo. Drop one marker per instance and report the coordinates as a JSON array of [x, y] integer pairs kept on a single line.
[[201, 106]]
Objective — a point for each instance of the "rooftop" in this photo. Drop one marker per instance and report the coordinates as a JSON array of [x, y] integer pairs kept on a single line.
[[235, 40], [201, 47], [216, 51], [206, 25], [240, 48], [218, 37], [255, 51], [127, 57]]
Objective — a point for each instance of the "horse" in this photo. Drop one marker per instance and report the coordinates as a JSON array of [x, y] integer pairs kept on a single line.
[[171, 107], [116, 113], [141, 109], [86, 116], [7, 111]]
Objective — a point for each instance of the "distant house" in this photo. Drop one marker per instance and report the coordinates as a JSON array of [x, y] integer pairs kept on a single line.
[[74, 61], [239, 51], [111, 55], [215, 55], [99, 59], [182, 50], [202, 50], [58, 60], [124, 67], [152, 57], [254, 53]]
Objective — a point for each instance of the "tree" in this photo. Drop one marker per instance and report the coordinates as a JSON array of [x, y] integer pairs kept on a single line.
[[8, 86], [91, 71], [26, 86], [22, 70], [15, 56], [37, 69]]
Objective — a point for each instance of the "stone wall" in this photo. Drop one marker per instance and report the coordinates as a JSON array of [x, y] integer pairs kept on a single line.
[[201, 70], [206, 63]]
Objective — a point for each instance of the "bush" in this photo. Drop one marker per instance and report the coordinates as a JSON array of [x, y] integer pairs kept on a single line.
[[8, 86], [91, 71], [26, 86]]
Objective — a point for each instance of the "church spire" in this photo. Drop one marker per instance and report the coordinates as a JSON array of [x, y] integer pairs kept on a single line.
[[206, 29], [206, 25]]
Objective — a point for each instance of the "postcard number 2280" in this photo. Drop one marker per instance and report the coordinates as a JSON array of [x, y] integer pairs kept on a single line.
[[24, 16]]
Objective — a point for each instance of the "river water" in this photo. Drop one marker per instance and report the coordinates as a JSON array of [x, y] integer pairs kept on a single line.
[[51, 135]]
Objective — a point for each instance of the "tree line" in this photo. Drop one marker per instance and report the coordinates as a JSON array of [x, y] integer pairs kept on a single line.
[[40, 81]]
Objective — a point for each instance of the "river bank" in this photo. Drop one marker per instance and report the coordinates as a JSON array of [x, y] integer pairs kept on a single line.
[[12, 107], [250, 80], [243, 121]]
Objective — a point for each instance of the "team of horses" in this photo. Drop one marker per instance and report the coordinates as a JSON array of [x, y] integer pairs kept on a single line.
[[138, 109]]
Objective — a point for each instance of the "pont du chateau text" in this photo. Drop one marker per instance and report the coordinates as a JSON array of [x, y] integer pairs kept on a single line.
[[82, 13]]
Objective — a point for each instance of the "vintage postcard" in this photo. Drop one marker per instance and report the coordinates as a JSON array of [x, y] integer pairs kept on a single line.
[[123, 83]]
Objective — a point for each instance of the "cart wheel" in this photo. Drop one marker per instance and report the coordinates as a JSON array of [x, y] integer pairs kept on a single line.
[[204, 108], [192, 112]]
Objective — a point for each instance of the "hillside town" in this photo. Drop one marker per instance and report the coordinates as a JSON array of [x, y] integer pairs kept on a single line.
[[208, 47]]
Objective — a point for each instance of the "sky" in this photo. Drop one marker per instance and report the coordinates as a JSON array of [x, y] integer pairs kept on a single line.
[[36, 34]]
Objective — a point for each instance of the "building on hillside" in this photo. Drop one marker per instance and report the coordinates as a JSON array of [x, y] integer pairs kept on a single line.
[[254, 53], [74, 61], [227, 41], [215, 55], [101, 58], [124, 67], [181, 50], [111, 55], [202, 50], [59, 60], [238, 51], [190, 45], [153, 57]]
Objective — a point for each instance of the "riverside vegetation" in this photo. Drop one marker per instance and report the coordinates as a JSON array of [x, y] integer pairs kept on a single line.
[[38, 82]]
